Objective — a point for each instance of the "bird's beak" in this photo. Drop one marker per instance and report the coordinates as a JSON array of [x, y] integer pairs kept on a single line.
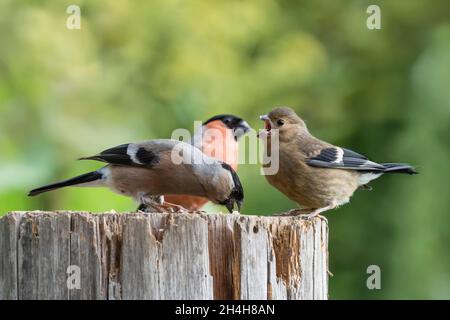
[[230, 206], [268, 123], [239, 204], [242, 128], [245, 126]]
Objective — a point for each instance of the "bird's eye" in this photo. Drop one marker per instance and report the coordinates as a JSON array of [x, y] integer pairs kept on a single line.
[[280, 122]]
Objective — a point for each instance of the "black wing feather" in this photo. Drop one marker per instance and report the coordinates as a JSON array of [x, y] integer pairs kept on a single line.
[[351, 160], [352, 154], [119, 150], [116, 155], [119, 155]]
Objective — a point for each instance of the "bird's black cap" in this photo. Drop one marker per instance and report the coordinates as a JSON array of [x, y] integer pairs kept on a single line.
[[229, 120], [238, 125]]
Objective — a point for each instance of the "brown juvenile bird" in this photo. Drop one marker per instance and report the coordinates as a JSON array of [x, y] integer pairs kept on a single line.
[[218, 138], [317, 175], [159, 167]]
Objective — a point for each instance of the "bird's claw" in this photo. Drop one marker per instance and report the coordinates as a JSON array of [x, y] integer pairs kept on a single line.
[[161, 208], [306, 214], [294, 213], [199, 212], [306, 217], [174, 208], [311, 217]]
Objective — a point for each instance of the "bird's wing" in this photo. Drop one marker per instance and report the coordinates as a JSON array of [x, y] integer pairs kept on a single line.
[[341, 158], [130, 154]]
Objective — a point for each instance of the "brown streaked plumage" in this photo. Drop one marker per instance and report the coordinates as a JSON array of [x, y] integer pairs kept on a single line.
[[316, 174], [158, 167]]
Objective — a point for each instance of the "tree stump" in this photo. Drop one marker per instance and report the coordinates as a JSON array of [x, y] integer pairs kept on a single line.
[[78, 255]]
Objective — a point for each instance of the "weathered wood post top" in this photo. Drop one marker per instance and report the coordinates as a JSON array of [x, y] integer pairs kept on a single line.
[[78, 255]]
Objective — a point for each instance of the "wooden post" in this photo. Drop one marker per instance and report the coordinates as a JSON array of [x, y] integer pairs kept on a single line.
[[77, 255]]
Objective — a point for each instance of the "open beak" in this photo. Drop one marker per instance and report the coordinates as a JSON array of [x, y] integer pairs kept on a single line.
[[267, 123], [230, 206], [239, 205]]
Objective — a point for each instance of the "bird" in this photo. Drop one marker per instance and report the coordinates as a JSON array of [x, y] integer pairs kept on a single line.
[[218, 138], [158, 167], [315, 174]]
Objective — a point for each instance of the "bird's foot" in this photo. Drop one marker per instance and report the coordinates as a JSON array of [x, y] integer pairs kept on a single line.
[[315, 212], [304, 213], [172, 207], [154, 204], [197, 212], [308, 217], [149, 208], [294, 212], [153, 207], [143, 208]]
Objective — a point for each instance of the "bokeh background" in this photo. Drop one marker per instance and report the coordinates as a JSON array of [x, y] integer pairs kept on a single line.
[[137, 70]]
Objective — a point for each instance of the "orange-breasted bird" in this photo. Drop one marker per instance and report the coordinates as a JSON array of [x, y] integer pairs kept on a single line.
[[218, 138], [316, 174]]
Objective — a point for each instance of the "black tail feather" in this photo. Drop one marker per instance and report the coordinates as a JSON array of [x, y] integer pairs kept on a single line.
[[87, 177], [399, 168]]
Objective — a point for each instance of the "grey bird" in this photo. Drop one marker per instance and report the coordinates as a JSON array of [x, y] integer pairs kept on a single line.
[[160, 167], [316, 174]]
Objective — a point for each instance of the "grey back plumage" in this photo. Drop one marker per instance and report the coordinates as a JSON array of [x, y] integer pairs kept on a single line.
[[179, 168], [160, 167]]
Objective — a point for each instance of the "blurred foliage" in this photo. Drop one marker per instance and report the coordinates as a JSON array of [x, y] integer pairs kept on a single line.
[[137, 70]]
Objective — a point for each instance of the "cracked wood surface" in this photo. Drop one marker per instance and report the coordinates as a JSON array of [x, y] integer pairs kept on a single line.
[[162, 256]]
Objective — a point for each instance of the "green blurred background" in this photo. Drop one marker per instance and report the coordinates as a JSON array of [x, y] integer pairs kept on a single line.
[[138, 70]]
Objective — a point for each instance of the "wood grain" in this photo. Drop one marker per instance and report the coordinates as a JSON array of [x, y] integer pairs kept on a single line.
[[162, 256]]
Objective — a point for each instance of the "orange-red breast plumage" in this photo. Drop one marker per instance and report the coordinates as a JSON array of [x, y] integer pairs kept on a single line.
[[219, 139]]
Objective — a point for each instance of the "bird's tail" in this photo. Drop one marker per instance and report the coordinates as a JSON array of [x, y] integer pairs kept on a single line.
[[84, 178], [399, 168]]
